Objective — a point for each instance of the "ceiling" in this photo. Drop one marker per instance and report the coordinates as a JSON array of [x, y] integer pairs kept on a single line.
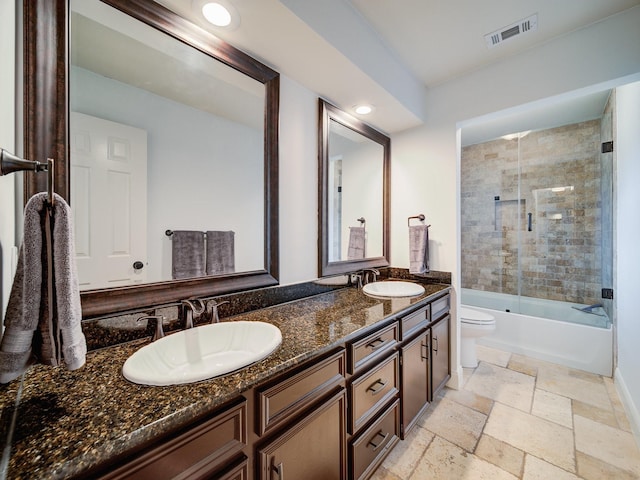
[[390, 53]]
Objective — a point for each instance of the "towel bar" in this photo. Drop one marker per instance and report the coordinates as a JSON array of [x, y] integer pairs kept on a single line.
[[420, 217]]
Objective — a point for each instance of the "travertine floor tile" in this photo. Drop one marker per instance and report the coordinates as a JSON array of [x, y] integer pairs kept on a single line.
[[469, 399], [454, 422], [608, 444], [532, 434], [500, 454], [606, 416], [552, 407], [567, 383], [383, 474], [591, 468], [445, 461], [405, 456], [536, 469], [491, 355], [522, 364], [502, 385]]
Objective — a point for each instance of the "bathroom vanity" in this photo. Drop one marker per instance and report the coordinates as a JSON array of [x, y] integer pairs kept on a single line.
[[352, 376]]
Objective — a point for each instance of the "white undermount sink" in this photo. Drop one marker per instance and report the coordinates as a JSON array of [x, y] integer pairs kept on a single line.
[[393, 288], [202, 352]]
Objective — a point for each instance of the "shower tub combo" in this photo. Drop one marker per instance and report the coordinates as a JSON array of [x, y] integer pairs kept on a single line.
[[546, 329]]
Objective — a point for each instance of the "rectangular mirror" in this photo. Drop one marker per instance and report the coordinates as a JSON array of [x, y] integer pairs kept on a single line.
[[162, 137], [110, 81], [353, 194]]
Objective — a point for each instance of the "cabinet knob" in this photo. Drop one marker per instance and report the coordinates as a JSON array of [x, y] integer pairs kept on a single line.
[[138, 265]]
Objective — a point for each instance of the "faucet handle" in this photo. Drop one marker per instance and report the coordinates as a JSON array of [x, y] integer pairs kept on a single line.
[[158, 331], [213, 307]]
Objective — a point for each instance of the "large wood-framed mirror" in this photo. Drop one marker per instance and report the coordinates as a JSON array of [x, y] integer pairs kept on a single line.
[[76, 85], [354, 173]]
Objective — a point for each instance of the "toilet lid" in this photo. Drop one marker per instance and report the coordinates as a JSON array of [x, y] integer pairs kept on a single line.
[[470, 315]]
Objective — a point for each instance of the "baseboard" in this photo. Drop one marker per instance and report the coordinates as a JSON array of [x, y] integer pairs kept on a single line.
[[456, 381], [630, 408]]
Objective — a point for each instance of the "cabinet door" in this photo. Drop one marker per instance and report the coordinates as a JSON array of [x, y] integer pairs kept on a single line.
[[440, 370], [312, 449], [414, 381]]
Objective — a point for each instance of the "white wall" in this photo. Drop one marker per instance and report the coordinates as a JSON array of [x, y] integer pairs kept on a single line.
[[425, 160], [627, 147], [298, 183], [7, 141]]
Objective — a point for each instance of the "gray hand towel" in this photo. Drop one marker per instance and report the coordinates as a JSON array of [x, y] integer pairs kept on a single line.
[[220, 252], [356, 243], [43, 321], [419, 249], [187, 254]]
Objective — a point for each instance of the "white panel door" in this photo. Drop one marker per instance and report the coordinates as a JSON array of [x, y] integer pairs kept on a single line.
[[109, 201]]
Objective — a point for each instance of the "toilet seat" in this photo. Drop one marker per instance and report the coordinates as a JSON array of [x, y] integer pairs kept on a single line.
[[475, 317]]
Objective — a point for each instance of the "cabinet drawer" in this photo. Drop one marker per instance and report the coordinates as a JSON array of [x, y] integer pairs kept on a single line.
[[369, 448], [440, 307], [413, 322], [192, 454], [371, 391], [289, 395], [367, 348]]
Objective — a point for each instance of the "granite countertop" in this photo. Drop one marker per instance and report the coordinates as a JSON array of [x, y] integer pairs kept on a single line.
[[69, 421]]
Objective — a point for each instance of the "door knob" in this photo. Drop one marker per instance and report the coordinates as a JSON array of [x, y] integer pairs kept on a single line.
[[138, 265]]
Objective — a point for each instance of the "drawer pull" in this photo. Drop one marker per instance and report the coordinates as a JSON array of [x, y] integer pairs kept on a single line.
[[426, 349], [435, 345], [279, 469], [372, 388], [375, 344], [381, 442]]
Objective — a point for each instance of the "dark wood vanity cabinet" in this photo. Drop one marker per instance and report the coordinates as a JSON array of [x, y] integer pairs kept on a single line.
[[424, 358], [211, 448], [335, 416], [440, 361], [312, 448], [415, 377]]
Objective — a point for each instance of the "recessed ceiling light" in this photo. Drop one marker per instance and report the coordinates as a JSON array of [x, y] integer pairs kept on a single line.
[[363, 109], [216, 14], [219, 13]]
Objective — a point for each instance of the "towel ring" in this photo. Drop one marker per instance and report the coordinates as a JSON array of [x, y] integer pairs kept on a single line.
[[362, 220], [420, 217]]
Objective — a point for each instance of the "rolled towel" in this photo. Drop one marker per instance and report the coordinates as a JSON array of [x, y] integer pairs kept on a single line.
[[220, 252], [44, 315], [419, 249], [187, 254], [356, 243]]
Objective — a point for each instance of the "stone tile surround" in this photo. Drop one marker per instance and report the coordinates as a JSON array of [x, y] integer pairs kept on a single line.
[[559, 173]]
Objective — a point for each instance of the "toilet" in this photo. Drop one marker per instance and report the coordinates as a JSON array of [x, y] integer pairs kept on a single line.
[[473, 324]]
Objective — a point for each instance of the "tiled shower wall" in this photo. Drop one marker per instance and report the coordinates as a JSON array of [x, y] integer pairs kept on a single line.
[[559, 257]]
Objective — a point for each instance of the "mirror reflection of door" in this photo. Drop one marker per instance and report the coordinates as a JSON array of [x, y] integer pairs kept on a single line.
[[109, 183]]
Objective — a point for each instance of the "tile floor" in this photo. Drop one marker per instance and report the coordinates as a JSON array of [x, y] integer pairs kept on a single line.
[[519, 418]]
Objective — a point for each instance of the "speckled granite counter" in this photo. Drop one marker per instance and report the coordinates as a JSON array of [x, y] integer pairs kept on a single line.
[[69, 421]]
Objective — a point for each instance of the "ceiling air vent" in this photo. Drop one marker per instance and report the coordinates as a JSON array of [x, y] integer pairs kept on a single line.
[[529, 24]]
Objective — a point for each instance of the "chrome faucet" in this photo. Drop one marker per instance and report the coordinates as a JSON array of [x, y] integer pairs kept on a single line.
[[369, 273], [158, 331], [213, 309], [192, 307]]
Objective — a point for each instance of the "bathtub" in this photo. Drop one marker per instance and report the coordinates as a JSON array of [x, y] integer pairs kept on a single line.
[[547, 329]]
